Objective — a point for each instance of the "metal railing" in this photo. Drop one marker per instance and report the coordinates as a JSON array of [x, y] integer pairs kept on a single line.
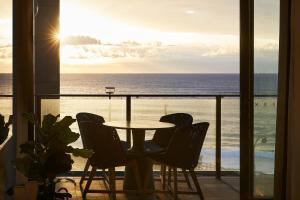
[[218, 118], [129, 97], [6, 95]]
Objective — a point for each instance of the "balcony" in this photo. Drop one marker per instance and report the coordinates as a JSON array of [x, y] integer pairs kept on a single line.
[[219, 162], [219, 170]]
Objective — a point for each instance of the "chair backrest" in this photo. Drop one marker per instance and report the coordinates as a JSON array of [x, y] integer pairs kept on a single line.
[[105, 142], [84, 116], [87, 117], [162, 137], [186, 144]]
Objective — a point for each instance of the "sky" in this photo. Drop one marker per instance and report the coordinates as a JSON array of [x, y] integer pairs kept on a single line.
[[154, 36]]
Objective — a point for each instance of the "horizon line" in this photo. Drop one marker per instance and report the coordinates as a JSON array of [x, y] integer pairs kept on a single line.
[[155, 73]]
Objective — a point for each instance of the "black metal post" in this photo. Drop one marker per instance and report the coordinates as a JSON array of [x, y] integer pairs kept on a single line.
[[128, 118], [247, 97], [37, 111], [218, 136]]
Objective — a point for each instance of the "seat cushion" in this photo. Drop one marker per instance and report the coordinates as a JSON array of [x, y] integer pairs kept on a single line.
[[125, 145], [152, 148]]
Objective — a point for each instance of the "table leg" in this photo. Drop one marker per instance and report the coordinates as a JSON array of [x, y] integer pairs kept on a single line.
[[144, 164]]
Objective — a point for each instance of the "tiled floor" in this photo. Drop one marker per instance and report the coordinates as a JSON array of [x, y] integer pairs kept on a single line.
[[212, 188]]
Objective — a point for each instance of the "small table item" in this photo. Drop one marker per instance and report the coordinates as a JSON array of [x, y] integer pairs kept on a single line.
[[138, 135]]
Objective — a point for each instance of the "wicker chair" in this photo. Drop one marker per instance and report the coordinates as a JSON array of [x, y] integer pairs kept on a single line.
[[84, 116], [97, 119], [88, 117], [183, 152], [161, 139], [108, 154]]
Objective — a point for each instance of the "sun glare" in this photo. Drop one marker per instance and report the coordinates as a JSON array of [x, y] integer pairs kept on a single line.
[[56, 36]]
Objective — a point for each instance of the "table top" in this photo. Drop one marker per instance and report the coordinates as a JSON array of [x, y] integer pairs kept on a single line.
[[139, 124]]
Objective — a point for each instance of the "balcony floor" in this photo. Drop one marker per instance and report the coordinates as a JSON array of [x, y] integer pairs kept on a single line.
[[212, 188]]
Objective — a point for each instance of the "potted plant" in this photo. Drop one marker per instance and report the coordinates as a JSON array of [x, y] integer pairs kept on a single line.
[[50, 154], [4, 127]]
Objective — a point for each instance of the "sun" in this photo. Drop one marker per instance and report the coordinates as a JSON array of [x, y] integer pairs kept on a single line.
[[57, 36]]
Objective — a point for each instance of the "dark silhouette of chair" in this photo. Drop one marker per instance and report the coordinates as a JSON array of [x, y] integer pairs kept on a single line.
[[183, 152], [97, 119], [161, 139], [84, 116], [108, 154]]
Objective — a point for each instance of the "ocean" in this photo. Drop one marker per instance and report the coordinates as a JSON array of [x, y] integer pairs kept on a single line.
[[202, 109]]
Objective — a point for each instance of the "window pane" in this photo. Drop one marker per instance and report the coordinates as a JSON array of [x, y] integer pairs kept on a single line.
[[265, 83], [5, 56], [158, 47]]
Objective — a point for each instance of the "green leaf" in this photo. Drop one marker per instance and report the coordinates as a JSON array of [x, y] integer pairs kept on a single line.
[[48, 121], [31, 118], [67, 136], [31, 148], [65, 123], [27, 148], [84, 153], [56, 146], [2, 122]]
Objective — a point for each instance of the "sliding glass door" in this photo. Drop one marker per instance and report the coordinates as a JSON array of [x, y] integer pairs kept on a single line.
[[6, 57], [266, 41]]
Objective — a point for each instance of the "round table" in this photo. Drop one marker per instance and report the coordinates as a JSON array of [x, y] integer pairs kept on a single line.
[[138, 137]]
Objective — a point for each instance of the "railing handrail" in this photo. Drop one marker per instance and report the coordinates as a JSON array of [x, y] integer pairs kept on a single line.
[[138, 95], [146, 95], [6, 95]]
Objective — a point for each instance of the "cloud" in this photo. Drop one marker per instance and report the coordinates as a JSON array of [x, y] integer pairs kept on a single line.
[[132, 49], [157, 57], [6, 52], [128, 49], [80, 40]]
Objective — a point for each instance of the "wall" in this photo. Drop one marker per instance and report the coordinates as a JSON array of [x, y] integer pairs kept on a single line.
[[293, 178]]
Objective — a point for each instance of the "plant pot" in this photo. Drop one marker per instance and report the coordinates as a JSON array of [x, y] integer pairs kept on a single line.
[[28, 191], [46, 191]]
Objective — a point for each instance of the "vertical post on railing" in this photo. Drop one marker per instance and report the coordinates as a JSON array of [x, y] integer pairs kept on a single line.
[[218, 136], [37, 111], [128, 118]]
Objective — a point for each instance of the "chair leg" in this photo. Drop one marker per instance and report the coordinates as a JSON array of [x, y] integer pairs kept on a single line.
[[175, 183], [194, 177], [169, 176], [163, 176], [112, 183], [185, 174], [86, 168], [88, 184]]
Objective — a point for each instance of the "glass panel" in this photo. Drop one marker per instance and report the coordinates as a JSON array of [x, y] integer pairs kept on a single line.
[[6, 107], [265, 83], [113, 109], [200, 109], [230, 141], [231, 134], [5, 57], [5, 47], [165, 47]]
